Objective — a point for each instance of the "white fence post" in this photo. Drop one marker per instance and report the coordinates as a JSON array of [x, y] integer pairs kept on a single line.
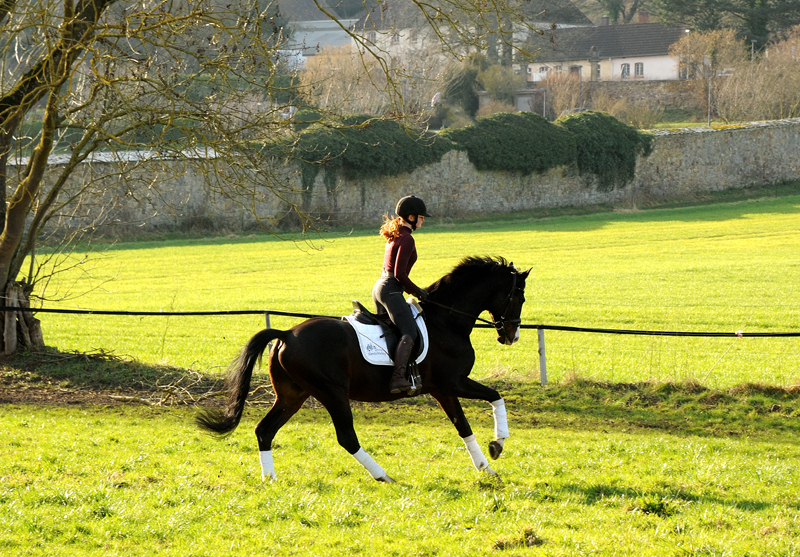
[[542, 359]]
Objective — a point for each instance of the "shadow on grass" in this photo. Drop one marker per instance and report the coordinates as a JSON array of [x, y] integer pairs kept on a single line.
[[755, 411]]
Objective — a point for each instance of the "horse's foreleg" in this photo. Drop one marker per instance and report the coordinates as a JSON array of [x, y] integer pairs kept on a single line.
[[500, 428], [452, 407], [473, 390]]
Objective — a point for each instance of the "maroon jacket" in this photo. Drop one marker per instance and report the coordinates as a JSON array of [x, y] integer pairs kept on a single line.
[[399, 257]]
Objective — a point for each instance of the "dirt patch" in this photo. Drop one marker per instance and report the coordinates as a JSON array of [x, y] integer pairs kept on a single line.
[[27, 394]]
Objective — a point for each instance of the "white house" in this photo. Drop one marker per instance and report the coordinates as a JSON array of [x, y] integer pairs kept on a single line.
[[637, 51]]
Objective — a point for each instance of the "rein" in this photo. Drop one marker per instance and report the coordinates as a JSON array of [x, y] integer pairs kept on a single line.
[[498, 324]]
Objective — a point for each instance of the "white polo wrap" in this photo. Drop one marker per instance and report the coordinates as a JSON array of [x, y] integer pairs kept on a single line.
[[475, 453], [267, 466], [372, 467], [500, 420]]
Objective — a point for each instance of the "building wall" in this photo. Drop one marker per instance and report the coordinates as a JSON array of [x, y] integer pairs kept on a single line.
[[683, 163]]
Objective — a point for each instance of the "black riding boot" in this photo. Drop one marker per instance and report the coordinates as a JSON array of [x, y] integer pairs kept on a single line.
[[399, 383]]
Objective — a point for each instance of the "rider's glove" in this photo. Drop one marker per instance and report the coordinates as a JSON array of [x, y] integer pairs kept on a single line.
[[423, 295]]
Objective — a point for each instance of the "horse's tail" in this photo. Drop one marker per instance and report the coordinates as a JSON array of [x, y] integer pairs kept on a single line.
[[237, 384]]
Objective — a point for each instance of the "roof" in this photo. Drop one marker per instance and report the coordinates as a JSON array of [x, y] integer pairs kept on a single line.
[[607, 41], [404, 14], [304, 10]]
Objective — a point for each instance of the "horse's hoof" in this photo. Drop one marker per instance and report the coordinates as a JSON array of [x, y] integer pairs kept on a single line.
[[491, 472], [495, 449], [386, 479]]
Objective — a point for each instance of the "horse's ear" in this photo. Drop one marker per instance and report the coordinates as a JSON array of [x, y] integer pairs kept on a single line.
[[526, 273]]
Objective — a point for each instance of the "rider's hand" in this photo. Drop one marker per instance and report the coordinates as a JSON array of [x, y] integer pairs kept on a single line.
[[423, 295]]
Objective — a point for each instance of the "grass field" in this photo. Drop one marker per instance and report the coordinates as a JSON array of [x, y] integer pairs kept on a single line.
[[720, 267], [599, 462], [589, 470]]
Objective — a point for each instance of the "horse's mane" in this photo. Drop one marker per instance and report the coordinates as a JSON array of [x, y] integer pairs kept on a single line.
[[470, 269]]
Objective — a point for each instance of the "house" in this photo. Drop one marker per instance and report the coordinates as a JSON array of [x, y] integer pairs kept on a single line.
[[311, 29], [637, 51], [399, 27]]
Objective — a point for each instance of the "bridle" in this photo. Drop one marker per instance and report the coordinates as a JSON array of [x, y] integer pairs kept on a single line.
[[498, 324]]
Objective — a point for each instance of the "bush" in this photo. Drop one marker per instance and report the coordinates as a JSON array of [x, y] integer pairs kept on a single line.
[[523, 142], [305, 117], [606, 147], [364, 147]]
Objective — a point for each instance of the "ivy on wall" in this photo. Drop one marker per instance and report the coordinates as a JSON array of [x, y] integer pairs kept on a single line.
[[522, 142], [364, 147], [606, 147]]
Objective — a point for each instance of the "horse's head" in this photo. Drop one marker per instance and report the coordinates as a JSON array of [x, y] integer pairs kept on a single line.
[[507, 305]]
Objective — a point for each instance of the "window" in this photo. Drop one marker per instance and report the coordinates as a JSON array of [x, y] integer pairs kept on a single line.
[[625, 70], [558, 69], [638, 69], [575, 70], [597, 72], [396, 38], [543, 69], [371, 36]]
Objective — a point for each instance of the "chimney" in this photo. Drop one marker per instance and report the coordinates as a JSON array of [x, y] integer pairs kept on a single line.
[[644, 17], [604, 21]]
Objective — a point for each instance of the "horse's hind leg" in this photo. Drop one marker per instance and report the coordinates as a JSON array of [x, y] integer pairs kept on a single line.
[[338, 406], [289, 398]]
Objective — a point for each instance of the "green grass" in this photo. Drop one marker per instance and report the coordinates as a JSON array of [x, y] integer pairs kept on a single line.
[[590, 469], [718, 267]]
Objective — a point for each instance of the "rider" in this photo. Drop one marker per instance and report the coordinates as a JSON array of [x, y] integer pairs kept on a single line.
[[399, 257]]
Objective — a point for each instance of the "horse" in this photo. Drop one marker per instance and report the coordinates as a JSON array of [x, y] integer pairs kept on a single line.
[[321, 358]]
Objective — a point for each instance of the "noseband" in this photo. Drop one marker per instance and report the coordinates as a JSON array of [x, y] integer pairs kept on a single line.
[[500, 324]]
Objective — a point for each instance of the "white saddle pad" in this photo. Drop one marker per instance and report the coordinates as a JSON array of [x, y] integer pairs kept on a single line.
[[373, 346]]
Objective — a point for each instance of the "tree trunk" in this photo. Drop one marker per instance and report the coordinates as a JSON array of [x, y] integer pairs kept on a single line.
[[20, 328]]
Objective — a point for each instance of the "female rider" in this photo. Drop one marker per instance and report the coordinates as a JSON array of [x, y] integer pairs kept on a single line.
[[399, 257]]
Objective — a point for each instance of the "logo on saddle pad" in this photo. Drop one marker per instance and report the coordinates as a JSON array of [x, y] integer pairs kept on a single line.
[[372, 339]]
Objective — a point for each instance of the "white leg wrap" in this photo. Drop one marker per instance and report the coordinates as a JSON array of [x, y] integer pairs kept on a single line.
[[500, 420], [475, 453], [267, 466], [372, 467]]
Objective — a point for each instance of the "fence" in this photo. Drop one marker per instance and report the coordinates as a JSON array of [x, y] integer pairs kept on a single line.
[[540, 328]]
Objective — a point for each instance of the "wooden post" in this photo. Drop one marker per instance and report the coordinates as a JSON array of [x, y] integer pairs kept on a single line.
[[269, 326], [542, 359]]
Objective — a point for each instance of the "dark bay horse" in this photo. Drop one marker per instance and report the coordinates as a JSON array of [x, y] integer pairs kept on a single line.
[[321, 358]]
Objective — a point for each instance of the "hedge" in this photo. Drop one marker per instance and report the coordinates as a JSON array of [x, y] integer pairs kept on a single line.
[[522, 142], [606, 147]]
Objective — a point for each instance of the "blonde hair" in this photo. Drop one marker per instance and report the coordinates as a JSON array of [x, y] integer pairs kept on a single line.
[[391, 227]]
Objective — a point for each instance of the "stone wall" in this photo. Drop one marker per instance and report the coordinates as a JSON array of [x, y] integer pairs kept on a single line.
[[662, 94], [167, 195]]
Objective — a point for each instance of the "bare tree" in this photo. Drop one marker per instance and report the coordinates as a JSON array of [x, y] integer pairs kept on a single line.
[[706, 59], [564, 91], [200, 82], [766, 88]]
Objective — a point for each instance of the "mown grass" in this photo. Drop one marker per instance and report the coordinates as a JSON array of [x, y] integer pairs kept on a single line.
[[719, 267], [659, 471]]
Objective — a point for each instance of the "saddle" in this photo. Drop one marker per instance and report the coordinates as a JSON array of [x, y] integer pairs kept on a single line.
[[378, 336]]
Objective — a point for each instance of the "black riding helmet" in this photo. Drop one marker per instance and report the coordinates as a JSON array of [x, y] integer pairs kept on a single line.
[[411, 205]]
